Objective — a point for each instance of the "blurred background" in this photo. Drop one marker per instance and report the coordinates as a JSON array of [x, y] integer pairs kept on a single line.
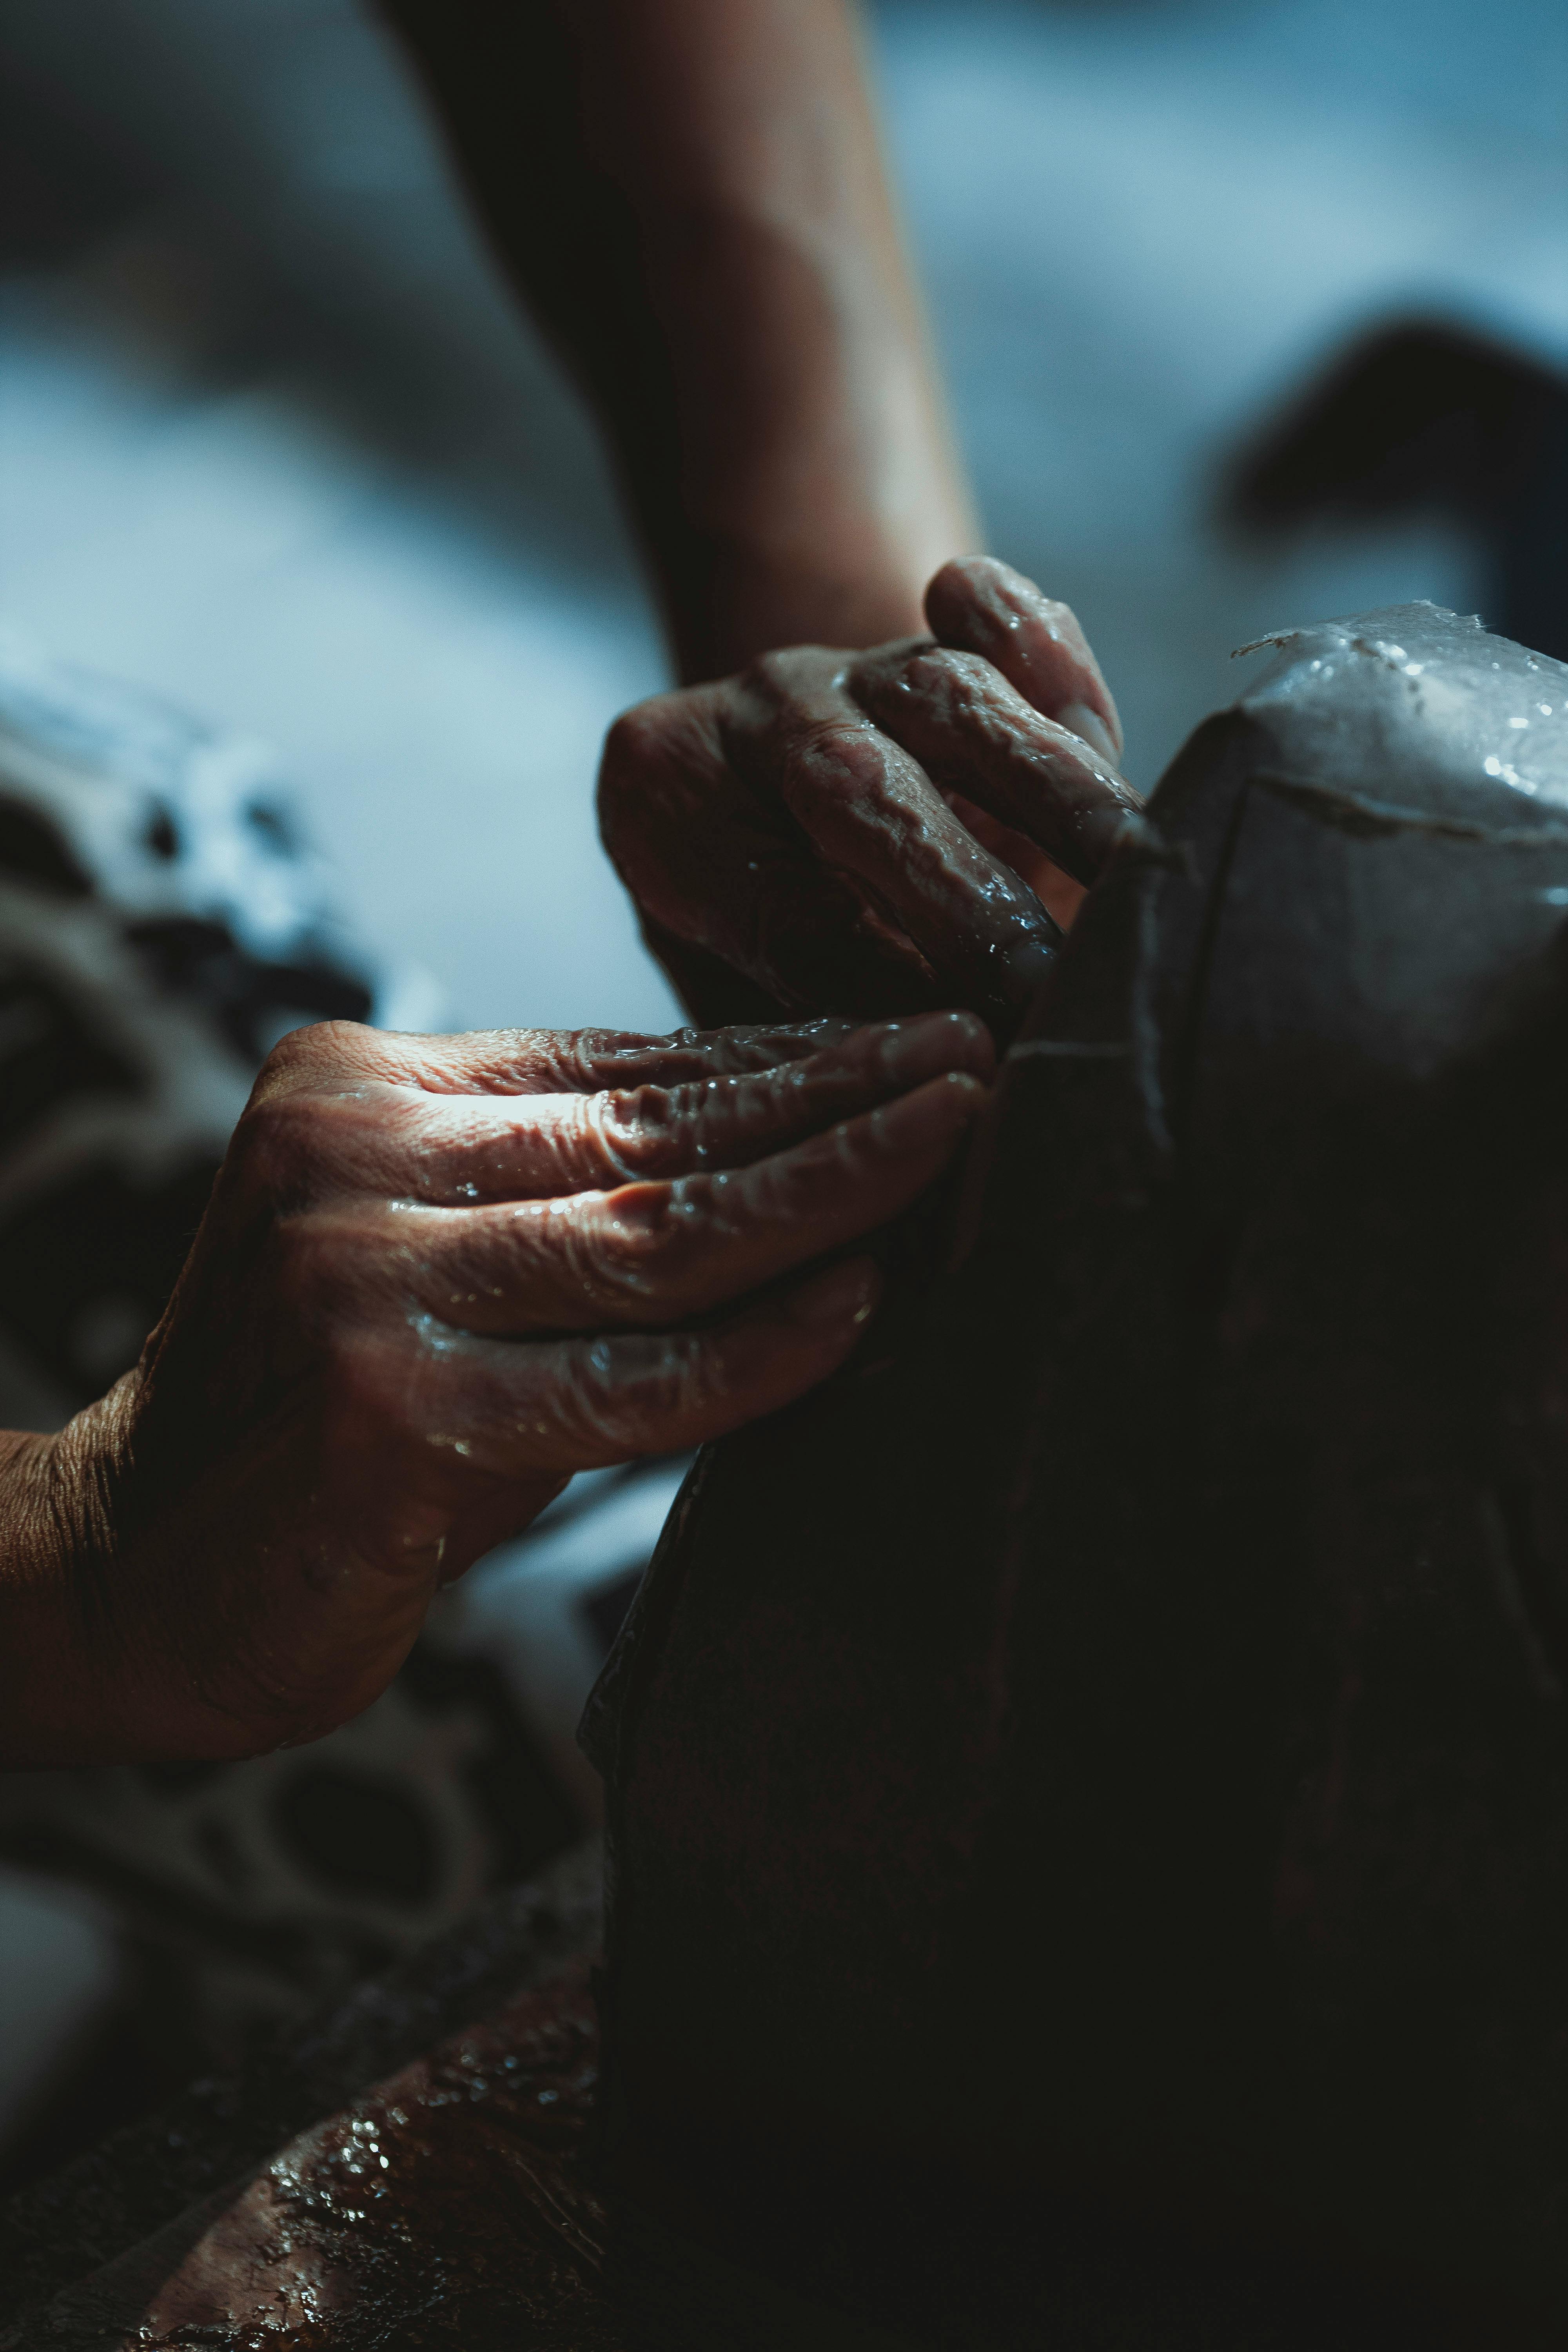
[[1253, 311], [274, 442]]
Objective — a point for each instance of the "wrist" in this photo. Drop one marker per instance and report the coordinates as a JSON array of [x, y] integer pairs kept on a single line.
[[59, 1696], [730, 600]]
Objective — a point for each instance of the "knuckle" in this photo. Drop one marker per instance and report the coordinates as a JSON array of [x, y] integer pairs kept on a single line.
[[626, 1051], [313, 1052], [841, 759], [560, 1061], [657, 740], [290, 1146], [338, 1041], [835, 1160], [292, 1060], [679, 1384], [587, 1062], [277, 1141], [932, 664], [660, 759], [644, 1132], [574, 1412], [775, 675], [626, 1393], [955, 680], [840, 734], [649, 1235], [664, 1380], [637, 736], [543, 1061]]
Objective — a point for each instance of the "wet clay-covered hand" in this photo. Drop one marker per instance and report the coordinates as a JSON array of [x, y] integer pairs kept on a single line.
[[437, 1276], [866, 832]]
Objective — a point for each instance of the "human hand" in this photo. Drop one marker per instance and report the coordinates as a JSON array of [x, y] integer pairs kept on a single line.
[[437, 1276], [877, 832]]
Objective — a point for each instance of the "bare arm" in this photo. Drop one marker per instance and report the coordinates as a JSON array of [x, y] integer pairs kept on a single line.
[[690, 195]]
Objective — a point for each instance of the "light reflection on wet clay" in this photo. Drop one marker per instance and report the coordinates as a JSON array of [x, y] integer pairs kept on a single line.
[[447, 2206]]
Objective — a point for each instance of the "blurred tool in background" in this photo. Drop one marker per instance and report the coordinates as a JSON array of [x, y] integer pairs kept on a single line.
[[1419, 419]]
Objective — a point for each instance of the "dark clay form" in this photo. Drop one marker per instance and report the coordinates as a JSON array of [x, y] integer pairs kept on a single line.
[[1089, 1795]]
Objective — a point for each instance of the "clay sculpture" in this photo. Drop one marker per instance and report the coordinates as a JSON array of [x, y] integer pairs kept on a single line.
[[1088, 1791]]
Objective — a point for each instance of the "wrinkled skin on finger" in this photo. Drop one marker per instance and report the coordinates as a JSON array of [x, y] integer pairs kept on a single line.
[[876, 832], [436, 1277]]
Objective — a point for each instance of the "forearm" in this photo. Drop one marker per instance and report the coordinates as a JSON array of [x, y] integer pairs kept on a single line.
[[46, 1679], [91, 1670], [691, 197]]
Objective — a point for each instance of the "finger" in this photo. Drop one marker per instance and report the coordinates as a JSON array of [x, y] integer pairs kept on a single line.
[[496, 1148], [1057, 893], [715, 861], [870, 811], [974, 732], [402, 1115], [588, 1060], [654, 1254], [981, 606], [517, 1411], [557, 1061]]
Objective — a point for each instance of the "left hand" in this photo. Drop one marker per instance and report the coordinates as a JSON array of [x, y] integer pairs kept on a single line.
[[877, 832], [437, 1277]]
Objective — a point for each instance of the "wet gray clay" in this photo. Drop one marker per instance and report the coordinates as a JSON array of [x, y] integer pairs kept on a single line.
[[1088, 1789]]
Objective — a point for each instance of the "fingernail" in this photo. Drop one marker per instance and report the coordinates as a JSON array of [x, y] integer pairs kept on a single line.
[[1090, 729], [845, 1293]]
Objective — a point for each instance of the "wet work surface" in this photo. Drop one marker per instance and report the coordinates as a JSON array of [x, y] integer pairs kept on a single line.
[[452, 2203], [447, 2206], [440, 2205]]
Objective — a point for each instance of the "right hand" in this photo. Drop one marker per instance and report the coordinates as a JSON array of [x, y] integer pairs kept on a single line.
[[437, 1277], [881, 831]]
